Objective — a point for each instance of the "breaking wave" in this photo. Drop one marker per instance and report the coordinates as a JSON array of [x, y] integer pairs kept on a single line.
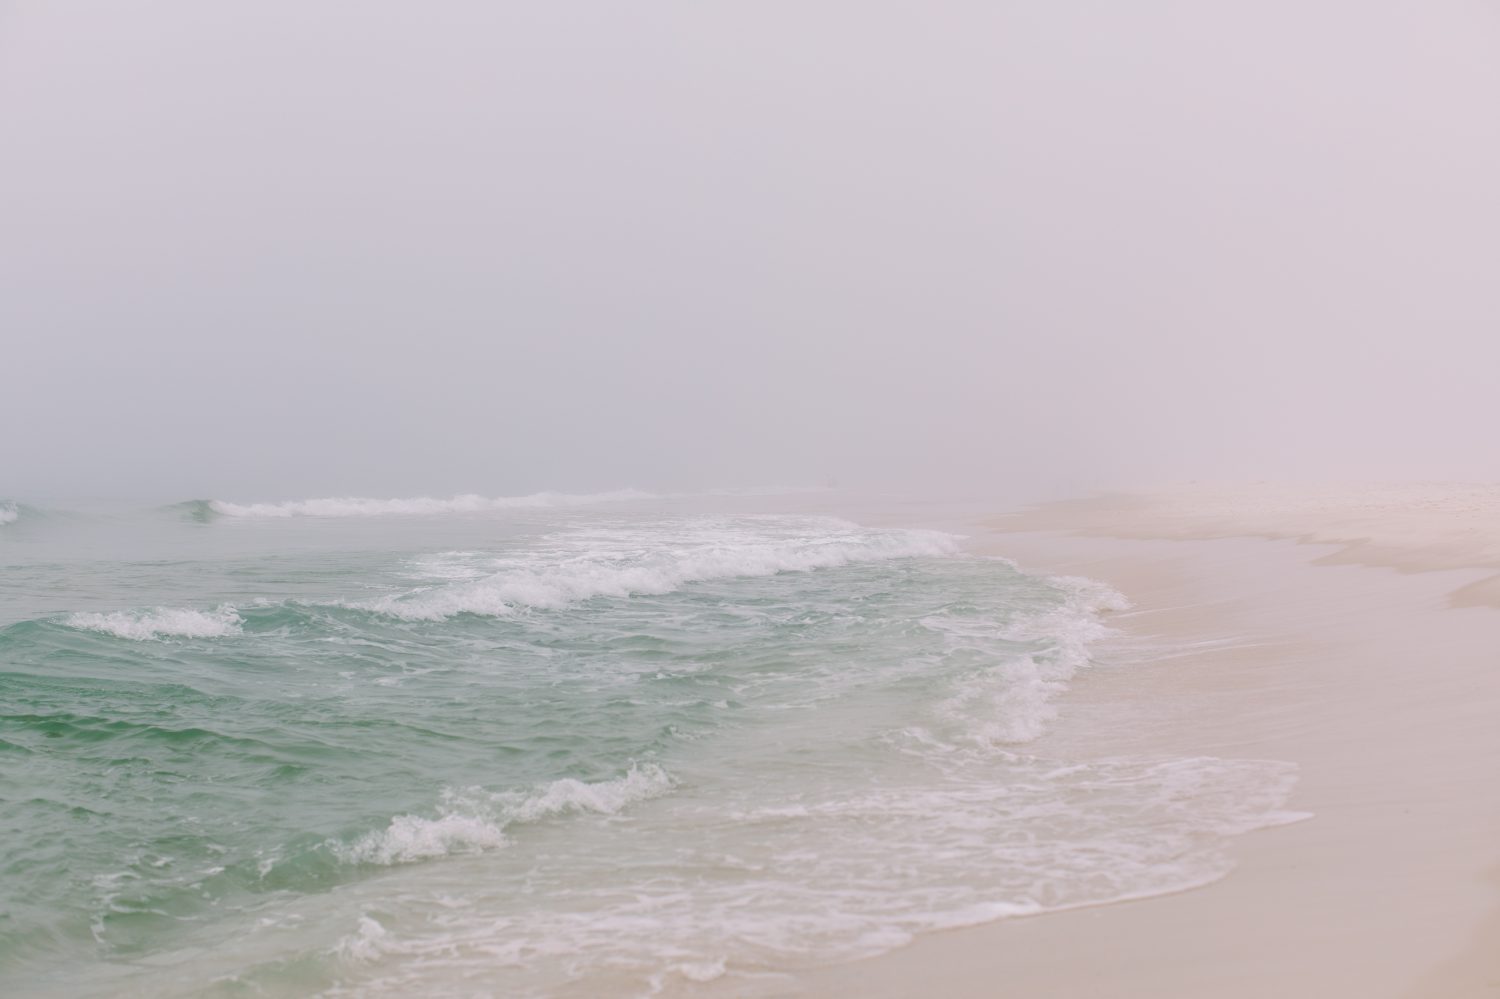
[[12, 511], [160, 622], [1012, 701], [358, 506], [697, 557], [471, 821]]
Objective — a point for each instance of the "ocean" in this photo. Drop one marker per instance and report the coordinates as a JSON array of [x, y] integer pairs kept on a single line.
[[617, 744]]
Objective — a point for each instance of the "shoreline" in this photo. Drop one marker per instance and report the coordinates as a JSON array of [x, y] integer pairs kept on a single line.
[[1270, 637]]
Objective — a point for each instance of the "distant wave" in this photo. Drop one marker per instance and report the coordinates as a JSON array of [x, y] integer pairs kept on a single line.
[[359, 506], [472, 821], [199, 510], [696, 557], [160, 622], [11, 511], [205, 510], [620, 566]]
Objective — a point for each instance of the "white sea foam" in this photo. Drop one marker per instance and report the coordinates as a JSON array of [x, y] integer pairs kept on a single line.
[[412, 837], [357, 506], [160, 622], [708, 890], [630, 565], [361, 506], [8, 513], [1009, 698], [367, 943], [609, 797], [471, 820]]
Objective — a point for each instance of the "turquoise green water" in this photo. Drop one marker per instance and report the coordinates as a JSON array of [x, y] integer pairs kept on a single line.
[[543, 746]]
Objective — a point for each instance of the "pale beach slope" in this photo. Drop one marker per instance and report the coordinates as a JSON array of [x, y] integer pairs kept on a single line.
[[1304, 646]]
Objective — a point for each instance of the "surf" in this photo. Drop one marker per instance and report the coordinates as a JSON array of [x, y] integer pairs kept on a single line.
[[416, 506]]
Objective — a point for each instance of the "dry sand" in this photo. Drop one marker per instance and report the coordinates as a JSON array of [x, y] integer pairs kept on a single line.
[[1383, 686]]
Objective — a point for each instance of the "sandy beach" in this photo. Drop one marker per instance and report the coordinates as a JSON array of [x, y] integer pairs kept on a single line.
[[1350, 630]]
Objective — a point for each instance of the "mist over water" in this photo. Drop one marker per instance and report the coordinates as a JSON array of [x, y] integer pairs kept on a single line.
[[281, 250]]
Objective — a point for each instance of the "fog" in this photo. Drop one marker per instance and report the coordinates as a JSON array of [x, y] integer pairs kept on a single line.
[[300, 247]]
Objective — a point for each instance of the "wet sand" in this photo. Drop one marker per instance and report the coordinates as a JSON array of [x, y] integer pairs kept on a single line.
[[1269, 624]]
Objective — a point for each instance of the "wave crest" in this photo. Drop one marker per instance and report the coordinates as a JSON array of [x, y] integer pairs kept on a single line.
[[359, 506], [160, 622], [1012, 701], [696, 558], [472, 821]]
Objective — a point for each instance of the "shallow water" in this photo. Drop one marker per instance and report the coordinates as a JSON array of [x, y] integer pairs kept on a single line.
[[543, 745]]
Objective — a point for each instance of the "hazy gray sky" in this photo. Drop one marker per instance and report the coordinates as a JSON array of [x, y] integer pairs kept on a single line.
[[294, 247]]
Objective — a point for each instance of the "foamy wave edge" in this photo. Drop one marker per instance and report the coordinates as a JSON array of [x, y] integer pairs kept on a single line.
[[160, 622], [571, 583], [473, 821], [1011, 701], [359, 506]]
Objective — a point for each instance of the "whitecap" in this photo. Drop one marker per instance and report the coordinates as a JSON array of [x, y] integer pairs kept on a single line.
[[412, 837], [697, 556], [160, 622], [473, 821], [359, 506], [1010, 699]]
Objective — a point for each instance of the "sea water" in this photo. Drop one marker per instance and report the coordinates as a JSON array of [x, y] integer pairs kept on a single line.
[[544, 745]]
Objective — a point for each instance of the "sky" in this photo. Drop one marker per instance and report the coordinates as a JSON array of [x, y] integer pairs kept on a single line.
[[285, 248]]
